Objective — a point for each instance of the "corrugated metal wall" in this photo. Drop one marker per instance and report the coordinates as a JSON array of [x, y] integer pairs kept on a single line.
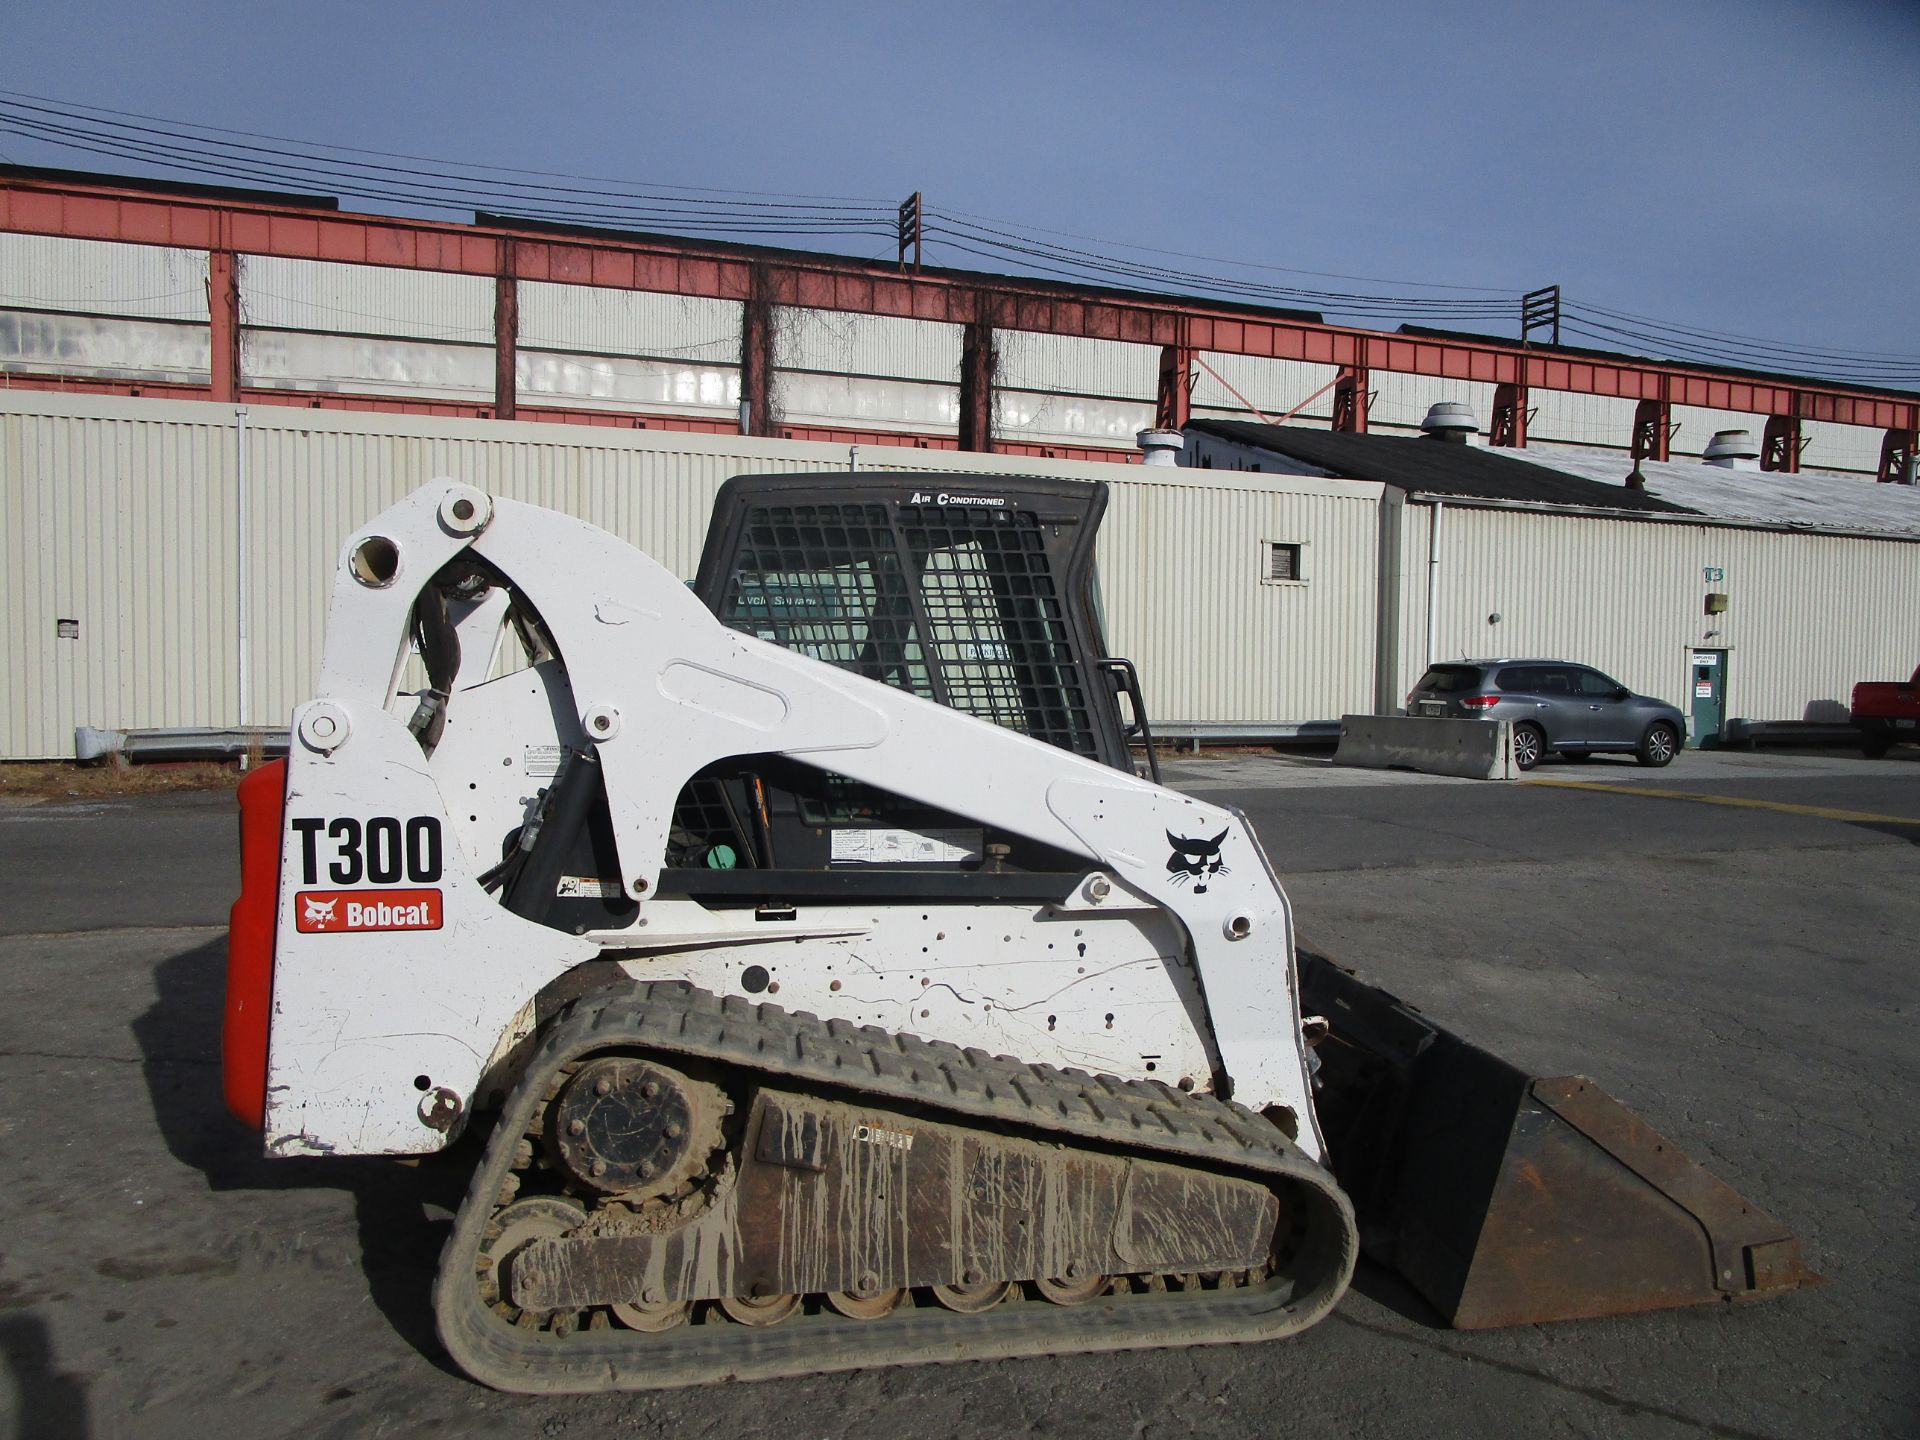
[[1840, 447], [121, 514], [1695, 425], [1273, 386], [841, 342], [336, 299], [1808, 614], [628, 322], [91, 308], [1061, 387], [1184, 565], [1402, 401], [128, 313], [98, 277], [1562, 415]]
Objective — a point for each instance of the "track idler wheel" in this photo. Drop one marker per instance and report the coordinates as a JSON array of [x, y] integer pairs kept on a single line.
[[869, 1305], [760, 1309], [653, 1318], [1073, 1290], [972, 1298], [539, 1217]]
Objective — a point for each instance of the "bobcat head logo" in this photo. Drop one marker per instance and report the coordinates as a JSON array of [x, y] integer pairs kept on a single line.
[[319, 913], [1195, 860]]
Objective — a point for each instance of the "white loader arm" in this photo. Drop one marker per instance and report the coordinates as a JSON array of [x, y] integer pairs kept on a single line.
[[661, 689]]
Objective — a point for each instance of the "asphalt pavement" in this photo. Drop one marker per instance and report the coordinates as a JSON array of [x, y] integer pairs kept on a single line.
[[1723, 945]]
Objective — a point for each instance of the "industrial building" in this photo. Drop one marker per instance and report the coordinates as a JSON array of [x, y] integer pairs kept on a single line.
[[203, 390], [1737, 594]]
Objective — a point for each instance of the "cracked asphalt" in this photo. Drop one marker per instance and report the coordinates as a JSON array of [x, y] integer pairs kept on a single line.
[[1740, 976]]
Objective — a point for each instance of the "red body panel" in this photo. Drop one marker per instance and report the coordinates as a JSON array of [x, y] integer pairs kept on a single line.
[[1887, 699], [250, 927]]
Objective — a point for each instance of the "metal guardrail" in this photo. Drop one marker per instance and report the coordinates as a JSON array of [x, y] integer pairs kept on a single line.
[[179, 743], [1194, 735]]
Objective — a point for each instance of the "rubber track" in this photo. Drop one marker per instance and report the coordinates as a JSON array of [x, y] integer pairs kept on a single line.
[[678, 1019]]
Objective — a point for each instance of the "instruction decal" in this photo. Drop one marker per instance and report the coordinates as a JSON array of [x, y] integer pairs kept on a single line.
[[587, 887], [905, 847]]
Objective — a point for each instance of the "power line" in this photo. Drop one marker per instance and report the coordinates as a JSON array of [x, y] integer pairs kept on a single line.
[[433, 184], [75, 108], [1220, 260]]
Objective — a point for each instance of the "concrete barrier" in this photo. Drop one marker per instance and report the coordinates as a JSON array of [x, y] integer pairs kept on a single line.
[[1471, 749]]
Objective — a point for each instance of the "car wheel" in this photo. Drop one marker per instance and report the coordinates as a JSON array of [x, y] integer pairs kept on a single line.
[[1874, 745], [1529, 744], [1658, 745]]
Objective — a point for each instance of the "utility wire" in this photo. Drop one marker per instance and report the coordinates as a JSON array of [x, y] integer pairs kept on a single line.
[[1218, 260], [434, 184], [67, 107]]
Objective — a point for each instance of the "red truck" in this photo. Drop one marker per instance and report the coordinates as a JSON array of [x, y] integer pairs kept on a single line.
[[1886, 712]]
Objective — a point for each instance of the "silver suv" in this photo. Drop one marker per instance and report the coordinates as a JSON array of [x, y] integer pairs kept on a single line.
[[1554, 706]]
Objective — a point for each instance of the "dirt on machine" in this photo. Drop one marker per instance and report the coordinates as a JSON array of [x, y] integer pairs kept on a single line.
[[829, 989]]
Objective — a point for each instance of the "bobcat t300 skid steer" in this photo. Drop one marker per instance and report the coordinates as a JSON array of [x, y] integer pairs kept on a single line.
[[832, 993]]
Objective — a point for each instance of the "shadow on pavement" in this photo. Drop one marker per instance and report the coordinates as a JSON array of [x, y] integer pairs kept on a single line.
[[399, 1240], [1909, 832], [47, 1404], [1386, 1289]]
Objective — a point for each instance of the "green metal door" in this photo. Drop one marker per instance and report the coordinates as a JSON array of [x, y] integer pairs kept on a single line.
[[1708, 681]]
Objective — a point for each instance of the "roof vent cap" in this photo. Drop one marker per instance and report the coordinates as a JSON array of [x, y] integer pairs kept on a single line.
[[1160, 447], [1732, 450], [1451, 421]]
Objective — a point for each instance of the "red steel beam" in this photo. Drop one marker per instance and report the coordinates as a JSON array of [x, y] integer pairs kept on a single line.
[[223, 310], [82, 210], [506, 337]]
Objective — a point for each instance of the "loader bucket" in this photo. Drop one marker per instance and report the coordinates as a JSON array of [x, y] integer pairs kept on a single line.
[[1506, 1199]]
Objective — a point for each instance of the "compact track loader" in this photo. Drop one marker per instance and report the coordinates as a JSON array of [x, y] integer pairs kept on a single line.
[[833, 991]]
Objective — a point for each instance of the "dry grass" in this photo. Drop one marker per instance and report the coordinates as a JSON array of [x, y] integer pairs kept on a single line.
[[65, 780]]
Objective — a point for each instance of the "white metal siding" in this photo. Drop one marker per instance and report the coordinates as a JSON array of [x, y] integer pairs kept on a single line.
[[1069, 365], [125, 527], [802, 398], [843, 343], [1183, 569], [364, 365], [1403, 400], [1808, 614], [1077, 391], [593, 321], [1698, 425], [1273, 386], [618, 382], [1035, 418], [40, 343], [120, 513], [100, 277], [1840, 447], [1568, 418], [335, 299]]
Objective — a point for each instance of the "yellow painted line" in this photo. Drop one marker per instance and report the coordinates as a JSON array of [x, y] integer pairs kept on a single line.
[[1816, 812]]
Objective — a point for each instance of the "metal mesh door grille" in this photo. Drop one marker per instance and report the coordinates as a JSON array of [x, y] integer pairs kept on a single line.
[[954, 603], [825, 580]]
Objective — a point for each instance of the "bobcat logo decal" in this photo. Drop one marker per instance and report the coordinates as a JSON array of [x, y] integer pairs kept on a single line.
[[320, 912], [1195, 860]]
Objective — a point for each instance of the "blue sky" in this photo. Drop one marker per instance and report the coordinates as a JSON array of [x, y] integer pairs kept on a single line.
[[1745, 168]]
